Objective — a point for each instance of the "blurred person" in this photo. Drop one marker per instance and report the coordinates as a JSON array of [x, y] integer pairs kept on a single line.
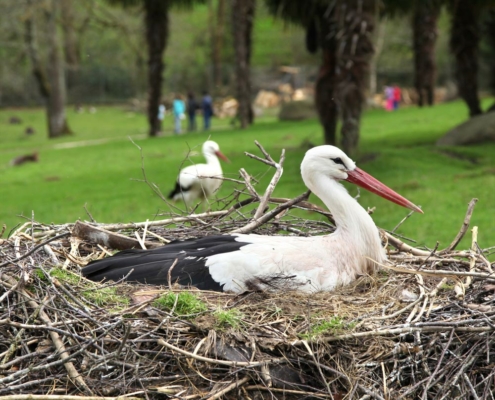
[[179, 108], [207, 107], [161, 112], [396, 97], [192, 106], [389, 98]]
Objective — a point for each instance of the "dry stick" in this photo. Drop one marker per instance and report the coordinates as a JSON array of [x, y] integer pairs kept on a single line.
[[470, 386], [229, 388], [247, 182], [132, 225], [59, 346], [401, 246], [162, 342], [271, 186], [398, 331], [441, 273], [34, 249], [102, 236], [464, 228], [327, 384], [402, 221], [268, 216], [286, 391], [153, 187], [439, 363], [62, 397]]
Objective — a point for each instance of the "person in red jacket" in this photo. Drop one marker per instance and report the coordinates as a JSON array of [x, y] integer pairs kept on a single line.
[[396, 97]]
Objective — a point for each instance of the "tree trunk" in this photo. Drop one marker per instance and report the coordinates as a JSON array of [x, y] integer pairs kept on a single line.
[[32, 49], [355, 19], [325, 82], [490, 34], [71, 51], [217, 26], [242, 23], [464, 41], [57, 122], [425, 34], [379, 41], [156, 22]]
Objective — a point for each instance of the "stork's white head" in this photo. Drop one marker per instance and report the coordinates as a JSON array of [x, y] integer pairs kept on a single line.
[[327, 160], [331, 162], [212, 148]]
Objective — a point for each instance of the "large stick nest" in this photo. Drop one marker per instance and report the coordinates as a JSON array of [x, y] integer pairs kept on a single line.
[[422, 327]]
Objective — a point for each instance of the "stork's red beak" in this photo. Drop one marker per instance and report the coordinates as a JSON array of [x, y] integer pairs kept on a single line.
[[222, 156], [366, 181]]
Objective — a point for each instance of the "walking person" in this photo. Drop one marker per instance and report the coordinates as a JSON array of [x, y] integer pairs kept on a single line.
[[389, 98], [207, 107], [397, 97], [179, 109], [192, 105]]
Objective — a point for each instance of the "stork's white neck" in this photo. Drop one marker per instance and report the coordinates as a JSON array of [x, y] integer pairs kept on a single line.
[[212, 159], [354, 224]]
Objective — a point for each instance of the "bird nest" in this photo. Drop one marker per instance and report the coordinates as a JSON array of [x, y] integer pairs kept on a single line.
[[422, 327]]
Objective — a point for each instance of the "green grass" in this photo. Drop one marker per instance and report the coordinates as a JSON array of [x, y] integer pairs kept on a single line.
[[182, 303], [102, 297], [333, 326], [228, 318], [101, 174]]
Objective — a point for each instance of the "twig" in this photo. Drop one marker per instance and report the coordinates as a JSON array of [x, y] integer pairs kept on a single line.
[[266, 217], [402, 221], [62, 397], [464, 228], [247, 182], [162, 342], [227, 389], [271, 186], [401, 246], [34, 249]]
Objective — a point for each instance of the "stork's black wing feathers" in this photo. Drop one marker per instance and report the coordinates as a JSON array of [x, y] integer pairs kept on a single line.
[[177, 190], [152, 266]]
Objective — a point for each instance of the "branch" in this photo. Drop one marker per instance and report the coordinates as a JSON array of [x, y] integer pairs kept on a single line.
[[106, 238], [162, 342], [464, 228]]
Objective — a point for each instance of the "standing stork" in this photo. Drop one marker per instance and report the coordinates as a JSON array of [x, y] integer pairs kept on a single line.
[[200, 181], [238, 262]]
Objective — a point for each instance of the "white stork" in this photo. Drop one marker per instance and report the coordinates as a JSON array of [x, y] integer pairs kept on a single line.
[[243, 261], [194, 182]]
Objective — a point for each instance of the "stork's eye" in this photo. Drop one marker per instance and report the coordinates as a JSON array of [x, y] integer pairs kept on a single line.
[[338, 160]]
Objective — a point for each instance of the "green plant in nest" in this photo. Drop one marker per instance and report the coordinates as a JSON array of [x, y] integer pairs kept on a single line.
[[228, 318], [106, 296], [65, 276], [182, 303], [333, 326]]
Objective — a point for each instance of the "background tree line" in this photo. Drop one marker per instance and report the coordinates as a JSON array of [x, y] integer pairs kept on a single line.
[[214, 43]]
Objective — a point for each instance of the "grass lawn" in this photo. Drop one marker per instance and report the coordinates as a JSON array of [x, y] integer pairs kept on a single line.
[[98, 165]]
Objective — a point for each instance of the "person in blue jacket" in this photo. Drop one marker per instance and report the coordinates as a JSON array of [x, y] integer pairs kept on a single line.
[[179, 108]]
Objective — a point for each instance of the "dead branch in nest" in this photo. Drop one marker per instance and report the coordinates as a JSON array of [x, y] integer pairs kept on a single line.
[[101, 236], [464, 228]]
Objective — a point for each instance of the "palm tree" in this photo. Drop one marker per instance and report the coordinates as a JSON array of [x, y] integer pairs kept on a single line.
[[157, 31], [342, 30]]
